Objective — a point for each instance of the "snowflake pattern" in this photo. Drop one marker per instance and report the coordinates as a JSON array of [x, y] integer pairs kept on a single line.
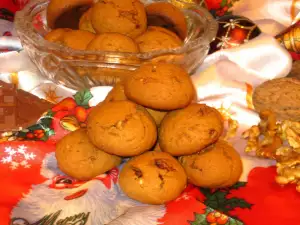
[[224, 41], [232, 24], [16, 158]]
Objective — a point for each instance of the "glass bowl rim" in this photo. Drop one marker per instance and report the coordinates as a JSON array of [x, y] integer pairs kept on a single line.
[[23, 23]]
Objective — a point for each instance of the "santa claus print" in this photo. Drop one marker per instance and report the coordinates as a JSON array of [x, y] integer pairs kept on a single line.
[[63, 200]]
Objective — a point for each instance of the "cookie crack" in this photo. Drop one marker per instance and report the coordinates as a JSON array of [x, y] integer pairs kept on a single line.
[[162, 180]]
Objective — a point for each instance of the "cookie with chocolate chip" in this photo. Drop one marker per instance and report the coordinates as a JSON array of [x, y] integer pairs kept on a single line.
[[79, 158], [118, 94], [121, 128], [158, 38], [160, 86], [189, 130], [126, 17], [217, 166], [153, 178]]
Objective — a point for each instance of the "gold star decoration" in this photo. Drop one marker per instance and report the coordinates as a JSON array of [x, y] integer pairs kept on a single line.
[[51, 96]]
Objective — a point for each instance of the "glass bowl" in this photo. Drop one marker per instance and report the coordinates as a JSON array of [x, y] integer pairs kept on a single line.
[[77, 69]]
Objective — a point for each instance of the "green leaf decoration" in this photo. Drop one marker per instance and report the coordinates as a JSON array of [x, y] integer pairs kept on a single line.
[[237, 203], [238, 185], [82, 98], [217, 199], [46, 120], [200, 219], [35, 127], [49, 132], [223, 3]]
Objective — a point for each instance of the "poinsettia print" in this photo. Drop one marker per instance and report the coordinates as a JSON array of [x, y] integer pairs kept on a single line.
[[270, 203], [68, 115]]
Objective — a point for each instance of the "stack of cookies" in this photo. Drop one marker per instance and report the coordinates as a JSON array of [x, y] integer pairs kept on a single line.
[[115, 25], [151, 120]]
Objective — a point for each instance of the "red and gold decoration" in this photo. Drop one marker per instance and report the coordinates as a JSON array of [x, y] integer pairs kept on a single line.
[[233, 31], [290, 39]]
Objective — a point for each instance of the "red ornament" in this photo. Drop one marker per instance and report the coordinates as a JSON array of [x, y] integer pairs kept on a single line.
[[233, 31]]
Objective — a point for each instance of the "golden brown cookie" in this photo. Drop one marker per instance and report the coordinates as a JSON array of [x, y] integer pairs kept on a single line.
[[281, 96], [126, 17], [113, 42], [85, 22], [217, 166], [57, 8], [57, 35], [79, 158], [160, 86], [121, 128], [153, 178], [78, 39], [118, 94], [167, 15], [189, 130], [158, 38]]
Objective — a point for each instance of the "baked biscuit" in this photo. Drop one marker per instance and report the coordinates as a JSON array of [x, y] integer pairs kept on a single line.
[[79, 158], [189, 130], [158, 38], [160, 86], [85, 22], [118, 94], [77, 39], [217, 166], [281, 96], [165, 14], [113, 42], [57, 35], [153, 178], [126, 17], [121, 128]]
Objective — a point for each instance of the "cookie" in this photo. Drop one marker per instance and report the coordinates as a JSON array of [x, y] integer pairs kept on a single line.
[[153, 178], [57, 8], [158, 38], [165, 14], [79, 158], [118, 94], [85, 22], [190, 130], [281, 96], [126, 17], [57, 35], [77, 39], [160, 86], [121, 128], [113, 42], [217, 166]]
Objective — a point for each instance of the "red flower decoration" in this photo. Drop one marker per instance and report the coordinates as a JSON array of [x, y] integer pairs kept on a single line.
[[272, 204], [68, 110]]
